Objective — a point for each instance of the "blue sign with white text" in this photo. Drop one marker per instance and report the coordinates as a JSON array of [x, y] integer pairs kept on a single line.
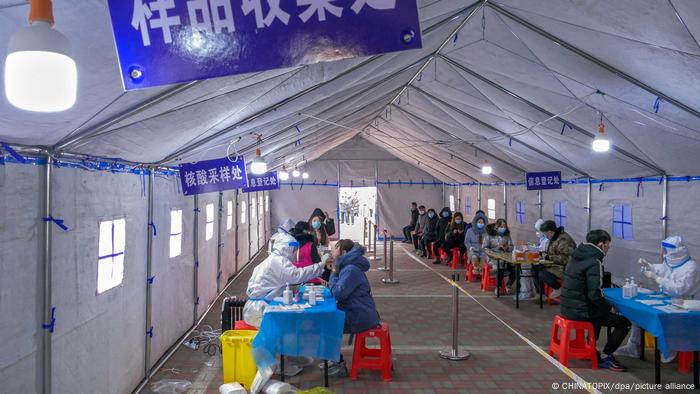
[[162, 42], [213, 176], [543, 180], [259, 183]]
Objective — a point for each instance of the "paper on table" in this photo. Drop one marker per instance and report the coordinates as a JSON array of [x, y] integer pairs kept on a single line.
[[642, 290], [651, 302], [670, 309], [659, 296]]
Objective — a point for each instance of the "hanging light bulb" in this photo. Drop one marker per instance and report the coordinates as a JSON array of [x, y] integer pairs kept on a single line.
[[296, 173], [601, 143], [486, 169], [40, 74], [283, 175], [305, 175], [258, 166]]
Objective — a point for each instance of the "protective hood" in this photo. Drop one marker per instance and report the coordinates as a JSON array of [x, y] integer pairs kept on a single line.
[[286, 225], [538, 224], [318, 212], [476, 219], [284, 244], [676, 251], [354, 257]]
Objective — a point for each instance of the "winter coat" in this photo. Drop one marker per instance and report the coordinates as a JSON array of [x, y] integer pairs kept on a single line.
[[351, 289], [559, 251], [474, 237], [421, 222], [414, 218], [443, 223], [431, 226], [328, 223], [497, 242], [581, 297], [450, 235]]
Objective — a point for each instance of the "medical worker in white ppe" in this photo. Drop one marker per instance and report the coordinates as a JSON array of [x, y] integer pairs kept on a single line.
[[678, 276], [272, 276], [542, 239]]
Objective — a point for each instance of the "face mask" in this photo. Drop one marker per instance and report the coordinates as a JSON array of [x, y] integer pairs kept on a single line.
[[431, 215], [421, 212], [316, 225], [458, 221], [445, 214], [480, 225], [501, 230]]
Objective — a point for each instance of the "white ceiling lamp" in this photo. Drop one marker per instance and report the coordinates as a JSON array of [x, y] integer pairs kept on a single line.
[[305, 175], [283, 175], [601, 143], [259, 166], [296, 173], [486, 169], [40, 74]]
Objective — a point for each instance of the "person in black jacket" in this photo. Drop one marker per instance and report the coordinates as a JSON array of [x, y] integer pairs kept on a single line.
[[414, 218], [328, 224], [582, 299], [429, 233], [443, 222]]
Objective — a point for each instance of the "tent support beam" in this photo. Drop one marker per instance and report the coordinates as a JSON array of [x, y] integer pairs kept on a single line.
[[664, 207], [195, 254], [219, 243], [589, 208], [149, 273], [552, 115], [502, 10], [411, 114], [505, 201], [539, 202], [478, 195], [503, 133], [47, 265]]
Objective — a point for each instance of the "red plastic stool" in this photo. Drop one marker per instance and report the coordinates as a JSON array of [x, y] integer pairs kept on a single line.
[[442, 254], [548, 290], [242, 325], [377, 359], [455, 258], [685, 360], [471, 277], [487, 281], [566, 348], [429, 252]]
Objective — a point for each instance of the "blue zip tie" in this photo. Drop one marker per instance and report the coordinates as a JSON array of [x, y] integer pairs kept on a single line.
[[151, 279], [657, 104], [663, 219], [154, 228], [149, 333], [197, 210], [196, 264], [196, 301], [218, 276], [51, 325], [59, 222]]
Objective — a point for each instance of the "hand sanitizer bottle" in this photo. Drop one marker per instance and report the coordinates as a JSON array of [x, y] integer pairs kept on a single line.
[[312, 295], [635, 288], [287, 295], [627, 289]]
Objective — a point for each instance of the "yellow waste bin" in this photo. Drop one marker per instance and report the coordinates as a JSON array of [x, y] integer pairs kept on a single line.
[[238, 362]]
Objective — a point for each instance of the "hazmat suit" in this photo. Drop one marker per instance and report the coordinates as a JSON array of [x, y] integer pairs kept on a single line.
[[678, 276], [542, 240], [270, 278]]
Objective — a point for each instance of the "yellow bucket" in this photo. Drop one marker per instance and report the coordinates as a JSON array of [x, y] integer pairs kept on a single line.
[[238, 362]]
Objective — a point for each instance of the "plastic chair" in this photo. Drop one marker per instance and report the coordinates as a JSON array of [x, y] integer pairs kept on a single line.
[[471, 277], [376, 359], [487, 280], [455, 258], [430, 251], [580, 347], [685, 360], [242, 325]]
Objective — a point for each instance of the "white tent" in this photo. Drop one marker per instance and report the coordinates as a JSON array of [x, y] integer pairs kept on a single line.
[[520, 84]]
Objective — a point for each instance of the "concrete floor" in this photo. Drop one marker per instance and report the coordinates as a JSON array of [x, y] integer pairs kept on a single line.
[[500, 338]]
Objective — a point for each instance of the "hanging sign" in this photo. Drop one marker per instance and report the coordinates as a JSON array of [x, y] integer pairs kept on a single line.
[[212, 176], [162, 42], [258, 183], [544, 180]]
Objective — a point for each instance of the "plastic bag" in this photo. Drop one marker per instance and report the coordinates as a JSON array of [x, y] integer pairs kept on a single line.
[[261, 378], [277, 387], [171, 386]]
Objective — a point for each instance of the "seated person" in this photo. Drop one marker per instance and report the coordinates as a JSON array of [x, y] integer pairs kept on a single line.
[[417, 232], [444, 220], [582, 298], [351, 289], [559, 249], [429, 232], [414, 219], [454, 234], [498, 239], [474, 238], [678, 276]]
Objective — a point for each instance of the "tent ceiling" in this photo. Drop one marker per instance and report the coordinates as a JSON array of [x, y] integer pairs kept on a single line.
[[522, 84]]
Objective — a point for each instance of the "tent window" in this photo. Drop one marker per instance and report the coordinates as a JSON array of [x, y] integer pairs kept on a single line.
[[468, 205], [520, 212], [492, 208], [110, 260], [260, 205], [560, 213], [253, 208], [244, 214], [209, 231], [622, 222], [229, 215], [175, 232], [452, 203], [267, 203]]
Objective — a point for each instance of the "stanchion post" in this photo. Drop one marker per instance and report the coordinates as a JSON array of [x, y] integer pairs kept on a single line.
[[391, 279], [375, 242], [454, 354], [386, 250], [372, 243], [369, 237], [364, 232]]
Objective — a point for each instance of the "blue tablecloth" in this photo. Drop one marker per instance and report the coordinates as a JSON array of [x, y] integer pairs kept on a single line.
[[674, 331], [314, 332]]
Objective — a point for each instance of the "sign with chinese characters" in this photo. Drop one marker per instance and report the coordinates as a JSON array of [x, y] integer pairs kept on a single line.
[[258, 183], [162, 42], [544, 180], [212, 176]]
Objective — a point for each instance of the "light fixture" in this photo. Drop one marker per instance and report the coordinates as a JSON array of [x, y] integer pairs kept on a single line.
[[258, 166], [601, 143], [486, 169], [296, 173], [40, 74], [305, 175], [283, 175]]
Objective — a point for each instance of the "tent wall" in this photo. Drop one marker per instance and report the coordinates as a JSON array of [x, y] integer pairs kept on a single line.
[[99, 339]]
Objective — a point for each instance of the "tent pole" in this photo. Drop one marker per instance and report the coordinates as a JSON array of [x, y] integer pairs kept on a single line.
[[250, 215], [478, 195], [46, 257], [376, 201], [401, 152], [589, 208], [337, 164], [149, 273], [443, 194], [195, 253], [664, 207], [505, 202], [237, 219], [539, 202], [219, 244]]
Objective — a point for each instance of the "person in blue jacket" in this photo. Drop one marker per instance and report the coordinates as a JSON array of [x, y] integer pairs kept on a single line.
[[350, 288]]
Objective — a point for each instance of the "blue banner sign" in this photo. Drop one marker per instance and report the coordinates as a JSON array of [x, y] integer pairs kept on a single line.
[[258, 183], [544, 180], [213, 176], [162, 42]]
